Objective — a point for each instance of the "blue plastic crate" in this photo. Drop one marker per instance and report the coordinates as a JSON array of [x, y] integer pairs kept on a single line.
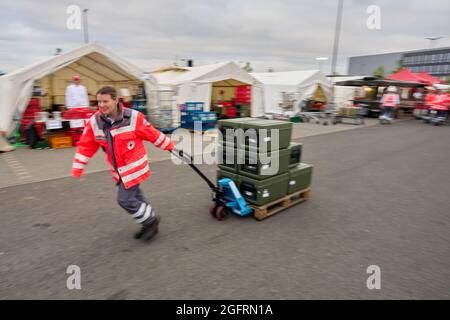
[[193, 106], [194, 126]]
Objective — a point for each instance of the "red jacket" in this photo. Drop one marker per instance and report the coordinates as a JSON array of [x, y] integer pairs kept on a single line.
[[390, 100], [429, 99], [441, 102], [127, 156]]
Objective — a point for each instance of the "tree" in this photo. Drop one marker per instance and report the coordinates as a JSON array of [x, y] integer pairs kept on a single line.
[[247, 67], [399, 66], [447, 80], [378, 72]]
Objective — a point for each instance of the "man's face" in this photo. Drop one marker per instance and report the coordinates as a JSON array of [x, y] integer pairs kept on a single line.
[[106, 104]]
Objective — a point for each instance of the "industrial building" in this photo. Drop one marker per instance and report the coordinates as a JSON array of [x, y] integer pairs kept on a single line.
[[433, 61]]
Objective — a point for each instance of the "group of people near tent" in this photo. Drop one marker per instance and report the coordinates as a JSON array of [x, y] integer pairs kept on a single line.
[[433, 101]]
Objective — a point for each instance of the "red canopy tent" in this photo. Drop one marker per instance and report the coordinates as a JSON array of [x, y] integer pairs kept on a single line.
[[406, 75], [430, 78]]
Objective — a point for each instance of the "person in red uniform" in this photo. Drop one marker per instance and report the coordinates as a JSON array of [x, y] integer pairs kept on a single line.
[[121, 132], [429, 99], [440, 104], [389, 102]]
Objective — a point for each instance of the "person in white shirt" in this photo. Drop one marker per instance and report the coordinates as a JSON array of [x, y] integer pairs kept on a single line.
[[76, 94]]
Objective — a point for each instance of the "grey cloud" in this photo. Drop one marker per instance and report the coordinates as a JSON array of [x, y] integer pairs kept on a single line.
[[284, 35]]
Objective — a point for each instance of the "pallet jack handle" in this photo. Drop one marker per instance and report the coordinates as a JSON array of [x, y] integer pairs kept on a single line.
[[180, 154]]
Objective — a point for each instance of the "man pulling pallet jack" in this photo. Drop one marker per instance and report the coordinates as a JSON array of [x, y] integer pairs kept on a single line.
[[121, 132]]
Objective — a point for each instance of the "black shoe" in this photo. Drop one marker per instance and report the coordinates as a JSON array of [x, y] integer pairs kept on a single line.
[[149, 230]]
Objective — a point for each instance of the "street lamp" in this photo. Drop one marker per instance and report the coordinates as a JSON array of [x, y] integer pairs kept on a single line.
[[320, 60], [433, 39], [337, 32], [85, 26]]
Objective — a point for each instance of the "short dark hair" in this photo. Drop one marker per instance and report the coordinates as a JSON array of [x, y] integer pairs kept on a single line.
[[108, 90]]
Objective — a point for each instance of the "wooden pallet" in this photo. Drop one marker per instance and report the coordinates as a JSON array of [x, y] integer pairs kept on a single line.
[[269, 209], [206, 133]]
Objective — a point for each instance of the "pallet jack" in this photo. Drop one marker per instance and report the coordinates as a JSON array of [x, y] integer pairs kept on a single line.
[[225, 195]]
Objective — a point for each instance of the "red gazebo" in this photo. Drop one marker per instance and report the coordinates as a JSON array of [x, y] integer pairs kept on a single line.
[[406, 75], [430, 78], [420, 77]]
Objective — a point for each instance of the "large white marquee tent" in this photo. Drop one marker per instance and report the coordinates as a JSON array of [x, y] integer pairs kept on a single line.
[[95, 64], [201, 84]]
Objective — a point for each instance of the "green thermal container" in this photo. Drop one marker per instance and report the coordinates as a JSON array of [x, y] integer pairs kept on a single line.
[[264, 165], [300, 177], [225, 127], [221, 173], [260, 192], [295, 156], [259, 134], [227, 157]]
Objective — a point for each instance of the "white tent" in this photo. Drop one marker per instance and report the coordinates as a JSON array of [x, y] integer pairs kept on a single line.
[[344, 94], [91, 61], [198, 84], [303, 84], [337, 79], [441, 86]]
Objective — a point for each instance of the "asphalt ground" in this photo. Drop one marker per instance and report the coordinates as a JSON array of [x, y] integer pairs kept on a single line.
[[380, 196]]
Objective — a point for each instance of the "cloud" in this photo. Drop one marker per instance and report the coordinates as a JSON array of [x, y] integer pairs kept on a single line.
[[284, 35]]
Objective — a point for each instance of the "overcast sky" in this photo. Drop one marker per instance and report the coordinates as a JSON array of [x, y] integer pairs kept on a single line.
[[283, 35]]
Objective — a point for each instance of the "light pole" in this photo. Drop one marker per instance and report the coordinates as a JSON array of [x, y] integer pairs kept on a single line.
[[320, 60], [337, 32], [85, 26]]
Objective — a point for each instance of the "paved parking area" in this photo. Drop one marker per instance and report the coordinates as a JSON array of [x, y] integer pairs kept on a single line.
[[380, 196]]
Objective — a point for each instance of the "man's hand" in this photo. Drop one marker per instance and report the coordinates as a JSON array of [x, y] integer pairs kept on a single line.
[[77, 173]]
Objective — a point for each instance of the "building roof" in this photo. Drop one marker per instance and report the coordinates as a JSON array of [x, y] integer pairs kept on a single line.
[[403, 52]]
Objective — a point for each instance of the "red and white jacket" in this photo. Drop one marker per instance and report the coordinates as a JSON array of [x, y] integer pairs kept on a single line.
[[429, 99], [127, 156], [390, 100], [441, 102]]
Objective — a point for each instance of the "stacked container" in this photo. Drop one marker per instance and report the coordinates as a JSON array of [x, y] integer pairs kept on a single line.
[[31, 112], [192, 112], [243, 97], [243, 94], [265, 165]]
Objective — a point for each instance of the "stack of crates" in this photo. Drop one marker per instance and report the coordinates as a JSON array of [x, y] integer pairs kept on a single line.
[[30, 113], [139, 105], [349, 111], [243, 94], [59, 141], [245, 160], [192, 113]]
